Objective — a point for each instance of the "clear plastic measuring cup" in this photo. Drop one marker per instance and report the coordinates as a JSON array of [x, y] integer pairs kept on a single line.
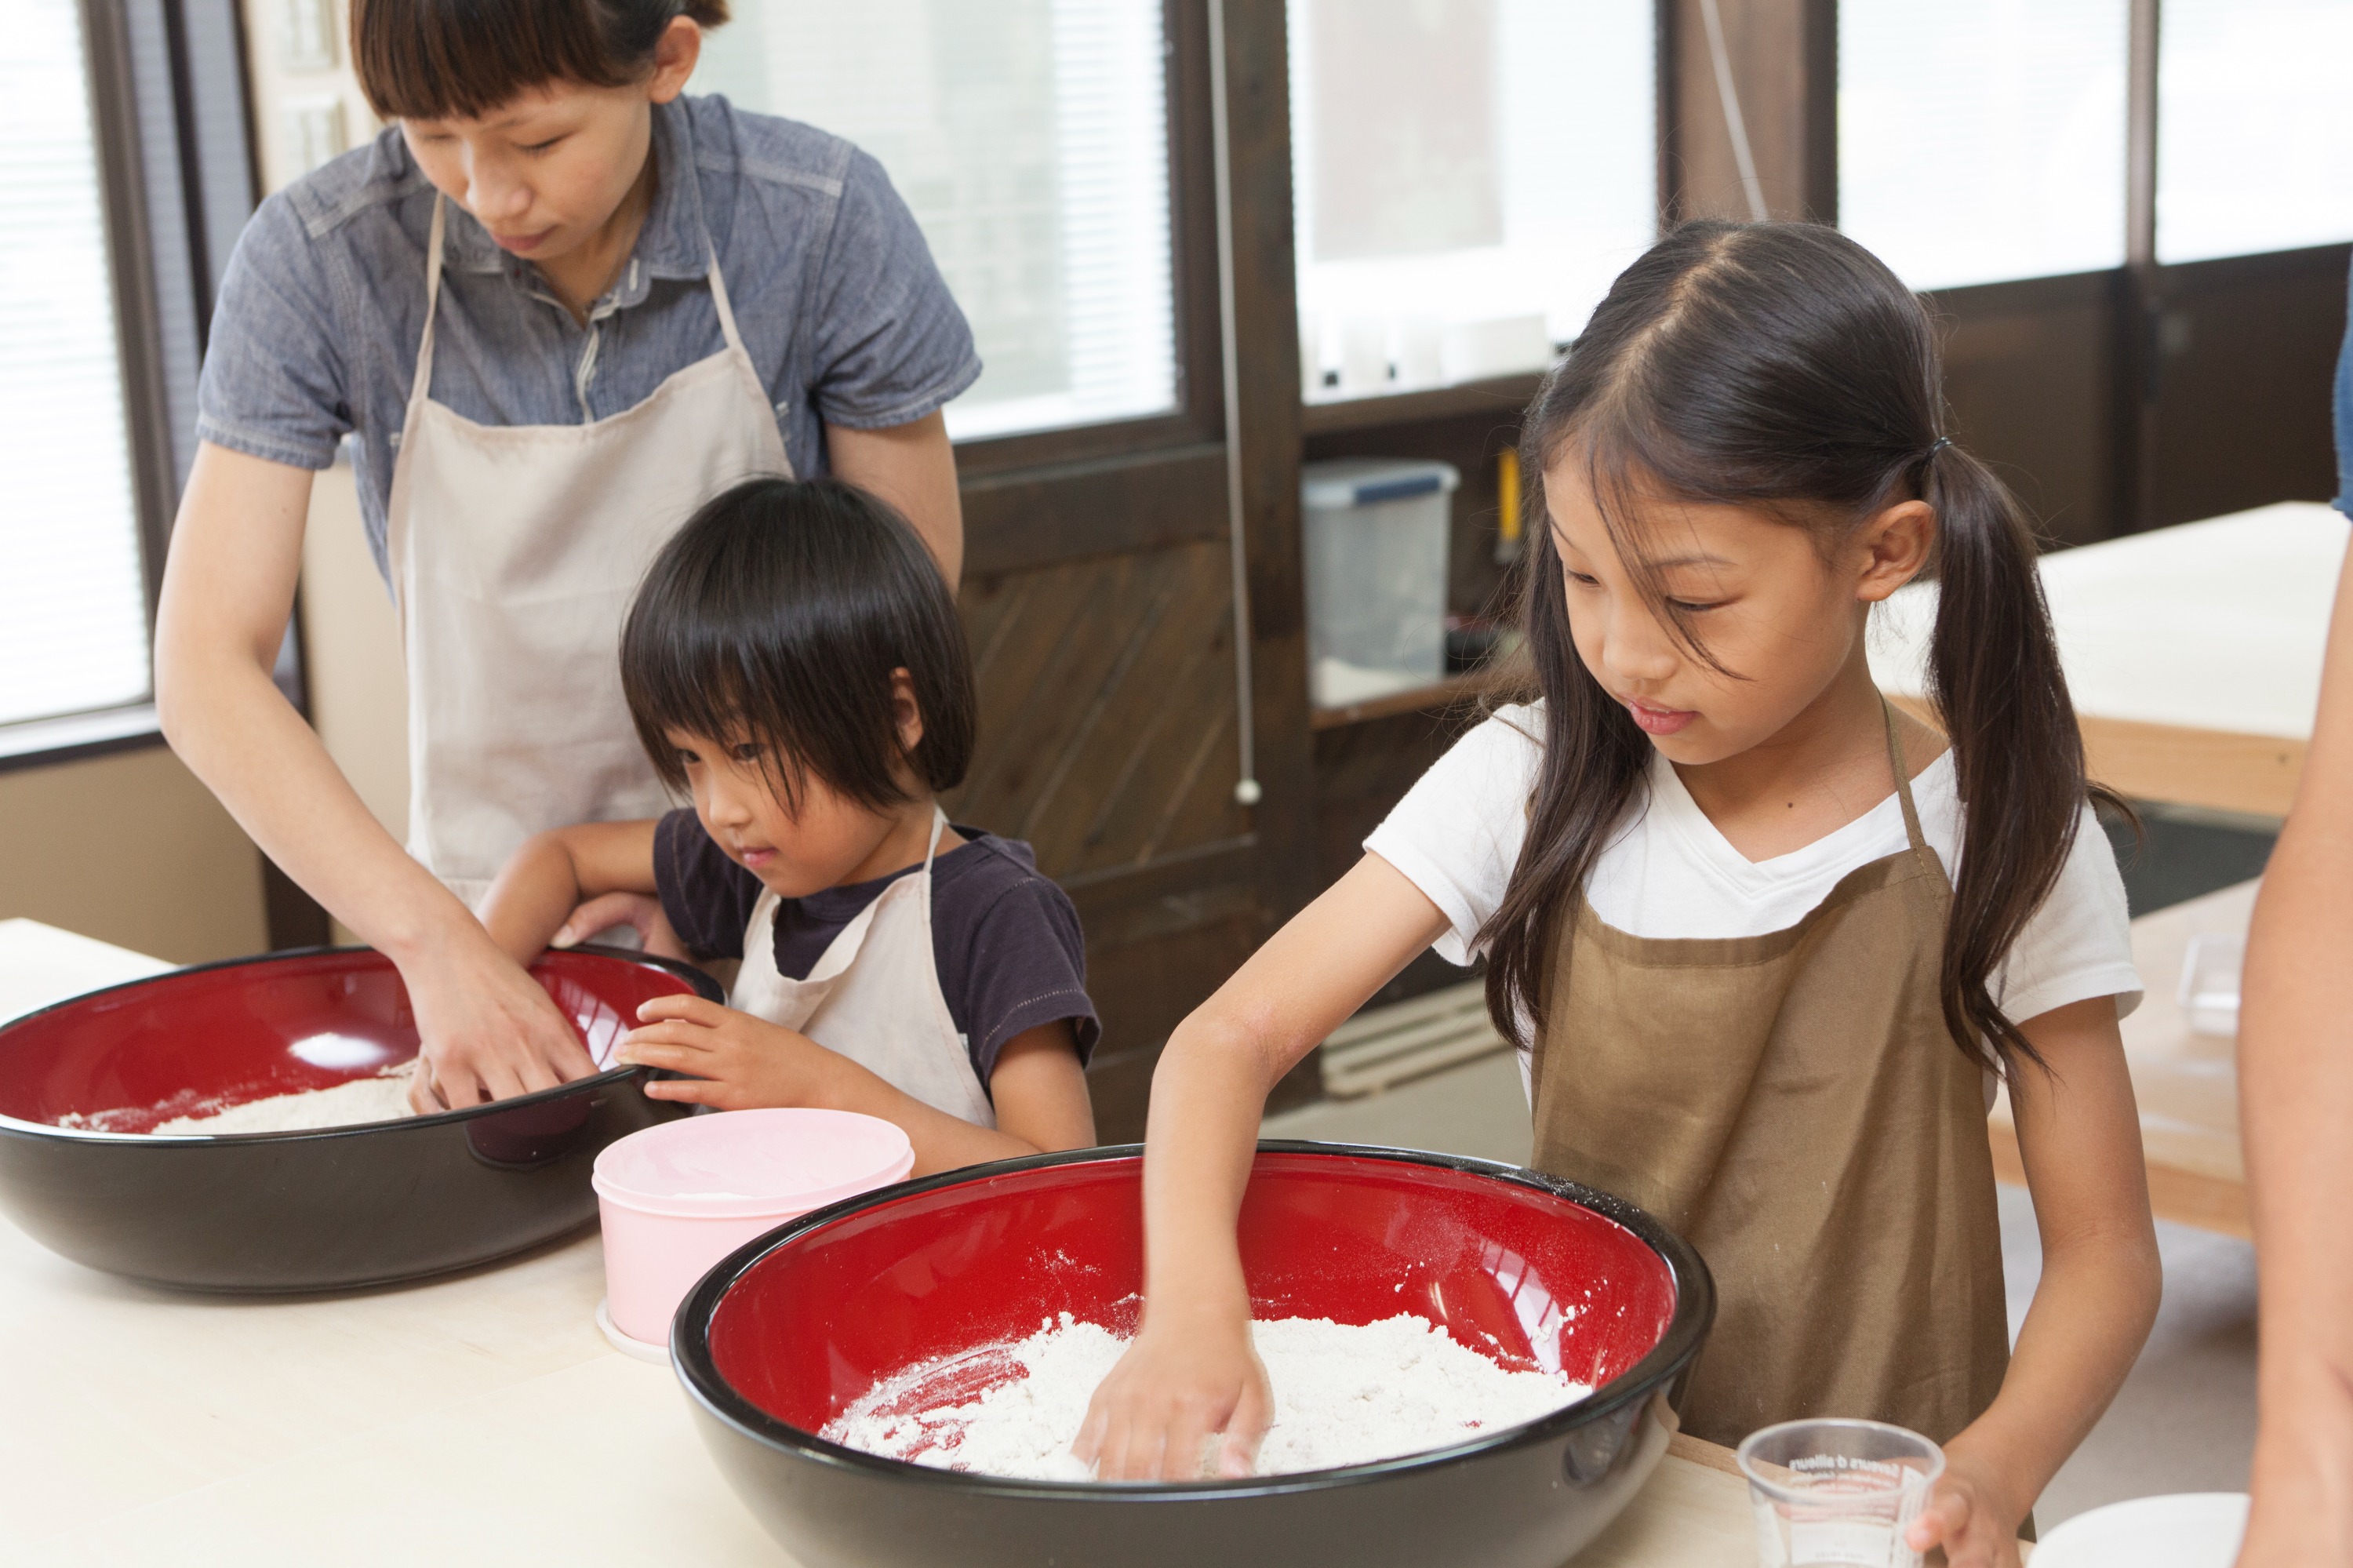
[[1838, 1492], [2209, 982]]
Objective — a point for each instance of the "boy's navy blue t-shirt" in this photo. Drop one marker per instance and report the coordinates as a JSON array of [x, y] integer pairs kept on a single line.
[[1006, 941]]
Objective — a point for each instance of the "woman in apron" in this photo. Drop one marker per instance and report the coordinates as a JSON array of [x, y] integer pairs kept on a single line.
[[1765, 941], [556, 306], [795, 664]]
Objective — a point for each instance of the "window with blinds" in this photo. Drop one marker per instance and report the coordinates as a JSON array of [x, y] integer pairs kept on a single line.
[[1030, 139], [2254, 150], [73, 600], [1468, 176], [1981, 141]]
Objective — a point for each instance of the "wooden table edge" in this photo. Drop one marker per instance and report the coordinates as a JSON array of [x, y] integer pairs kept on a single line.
[[2182, 765]]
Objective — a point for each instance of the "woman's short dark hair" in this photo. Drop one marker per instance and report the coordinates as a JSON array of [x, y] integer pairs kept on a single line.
[[775, 617], [437, 59]]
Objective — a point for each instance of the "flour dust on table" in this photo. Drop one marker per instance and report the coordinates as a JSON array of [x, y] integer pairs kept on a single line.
[[1344, 1395], [382, 1097]]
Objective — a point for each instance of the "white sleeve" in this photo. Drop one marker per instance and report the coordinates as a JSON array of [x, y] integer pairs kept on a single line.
[[1456, 835], [2079, 944]]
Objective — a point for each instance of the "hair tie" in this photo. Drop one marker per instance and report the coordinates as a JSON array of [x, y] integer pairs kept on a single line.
[[1941, 443]]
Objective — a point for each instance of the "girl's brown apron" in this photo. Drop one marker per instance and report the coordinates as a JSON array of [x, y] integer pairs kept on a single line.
[[1793, 1104]]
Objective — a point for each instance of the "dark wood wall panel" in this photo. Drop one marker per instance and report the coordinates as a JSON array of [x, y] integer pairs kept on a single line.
[[1108, 741], [2245, 352], [2031, 374], [1106, 708]]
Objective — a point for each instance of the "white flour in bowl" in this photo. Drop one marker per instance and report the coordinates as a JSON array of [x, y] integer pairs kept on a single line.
[[384, 1097], [1343, 1395]]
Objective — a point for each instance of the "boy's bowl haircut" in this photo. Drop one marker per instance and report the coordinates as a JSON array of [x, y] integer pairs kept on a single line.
[[777, 616]]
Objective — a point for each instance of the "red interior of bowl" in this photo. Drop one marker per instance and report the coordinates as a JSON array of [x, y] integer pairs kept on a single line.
[[1535, 1280], [198, 1041]]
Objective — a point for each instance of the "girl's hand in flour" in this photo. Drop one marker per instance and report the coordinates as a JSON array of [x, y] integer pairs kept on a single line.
[[736, 1061], [1180, 1383], [1966, 1518]]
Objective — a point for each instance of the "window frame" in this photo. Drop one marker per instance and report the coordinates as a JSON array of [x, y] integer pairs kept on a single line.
[[1200, 414], [175, 180]]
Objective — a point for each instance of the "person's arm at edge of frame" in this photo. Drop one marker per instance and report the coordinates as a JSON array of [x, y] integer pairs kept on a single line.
[[228, 589], [2295, 1066], [2079, 1137], [1191, 1370], [912, 467]]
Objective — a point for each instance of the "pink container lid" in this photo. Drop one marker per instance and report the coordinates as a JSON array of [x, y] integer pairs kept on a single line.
[[751, 1164]]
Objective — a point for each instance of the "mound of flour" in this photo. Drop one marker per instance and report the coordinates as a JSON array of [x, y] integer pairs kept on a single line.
[[384, 1097], [1343, 1395]]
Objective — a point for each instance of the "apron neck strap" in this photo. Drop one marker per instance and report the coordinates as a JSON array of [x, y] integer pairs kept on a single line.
[[1911, 833], [423, 383], [727, 312], [939, 816]]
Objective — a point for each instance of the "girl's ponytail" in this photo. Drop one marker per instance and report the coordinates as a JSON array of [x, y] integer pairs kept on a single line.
[[1995, 681]]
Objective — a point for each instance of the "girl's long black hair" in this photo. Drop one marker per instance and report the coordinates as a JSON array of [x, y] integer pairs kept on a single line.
[[1782, 367]]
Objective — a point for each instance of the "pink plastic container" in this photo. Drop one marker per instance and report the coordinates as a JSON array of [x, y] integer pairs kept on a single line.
[[675, 1199]]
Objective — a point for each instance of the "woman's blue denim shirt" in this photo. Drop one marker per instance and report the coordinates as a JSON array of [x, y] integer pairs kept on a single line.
[[843, 312]]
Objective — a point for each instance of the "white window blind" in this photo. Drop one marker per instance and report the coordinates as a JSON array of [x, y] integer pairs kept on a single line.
[[73, 605], [1468, 177], [1983, 139], [2254, 150], [1030, 139]]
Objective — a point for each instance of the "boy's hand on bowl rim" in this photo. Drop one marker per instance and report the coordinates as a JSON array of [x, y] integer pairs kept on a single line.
[[733, 1060], [1178, 1383]]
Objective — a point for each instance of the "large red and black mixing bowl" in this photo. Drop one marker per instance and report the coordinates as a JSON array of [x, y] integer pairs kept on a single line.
[[777, 1339], [81, 1082]]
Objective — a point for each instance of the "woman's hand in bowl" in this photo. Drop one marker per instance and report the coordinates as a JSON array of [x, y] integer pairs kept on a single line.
[[488, 1030]]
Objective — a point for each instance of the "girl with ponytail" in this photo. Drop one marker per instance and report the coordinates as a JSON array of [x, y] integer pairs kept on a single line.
[[1767, 942]]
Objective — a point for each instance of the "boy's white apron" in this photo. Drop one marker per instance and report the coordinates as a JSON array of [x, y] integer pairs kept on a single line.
[[874, 995], [515, 552]]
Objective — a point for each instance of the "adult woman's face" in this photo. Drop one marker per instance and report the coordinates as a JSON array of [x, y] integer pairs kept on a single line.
[[547, 170]]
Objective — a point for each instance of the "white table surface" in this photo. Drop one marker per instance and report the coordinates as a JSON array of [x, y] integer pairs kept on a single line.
[[2219, 625], [40, 964], [479, 1418]]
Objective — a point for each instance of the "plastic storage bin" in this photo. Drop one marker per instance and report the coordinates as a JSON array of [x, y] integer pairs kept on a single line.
[[1376, 557], [677, 1198]]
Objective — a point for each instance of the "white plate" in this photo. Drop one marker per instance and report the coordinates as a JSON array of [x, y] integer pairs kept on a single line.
[[2191, 1530]]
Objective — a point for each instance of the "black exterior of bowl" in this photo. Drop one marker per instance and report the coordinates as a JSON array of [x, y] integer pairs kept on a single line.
[[1529, 1497], [332, 1209]]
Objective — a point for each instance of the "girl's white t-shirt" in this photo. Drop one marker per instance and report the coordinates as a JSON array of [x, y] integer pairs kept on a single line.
[[1669, 872]]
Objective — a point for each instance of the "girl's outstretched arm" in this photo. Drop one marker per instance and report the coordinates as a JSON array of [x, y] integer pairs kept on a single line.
[[1191, 1371], [2295, 1060], [2079, 1134]]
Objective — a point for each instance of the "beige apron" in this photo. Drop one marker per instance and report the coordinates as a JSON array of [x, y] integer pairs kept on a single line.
[[873, 995], [1793, 1104], [515, 551]]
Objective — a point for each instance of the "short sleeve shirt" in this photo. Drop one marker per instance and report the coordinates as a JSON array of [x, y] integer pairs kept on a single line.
[[1006, 941], [1669, 872], [841, 309]]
